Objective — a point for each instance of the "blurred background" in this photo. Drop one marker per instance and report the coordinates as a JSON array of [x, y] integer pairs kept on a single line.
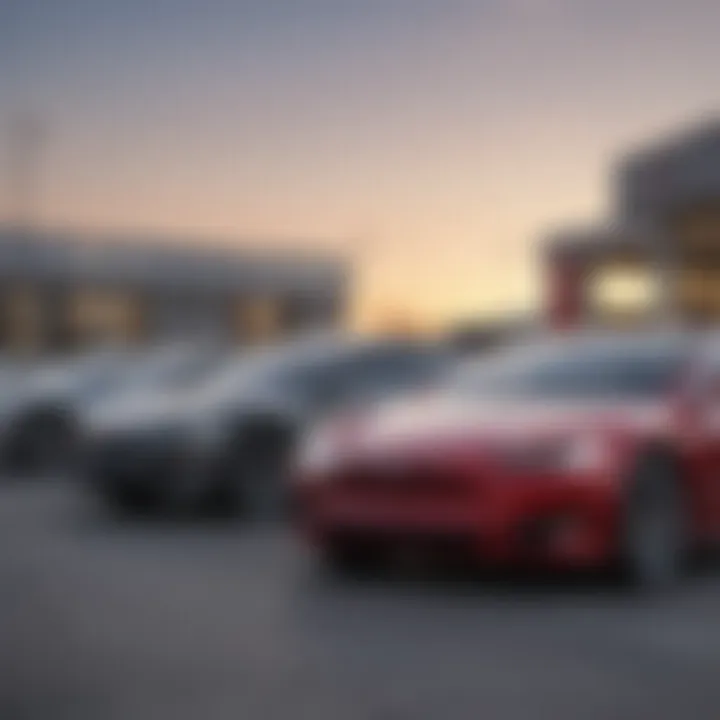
[[194, 198], [375, 166]]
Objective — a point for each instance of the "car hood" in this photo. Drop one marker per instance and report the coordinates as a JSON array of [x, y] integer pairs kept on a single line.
[[429, 422], [172, 409], [135, 409], [23, 397]]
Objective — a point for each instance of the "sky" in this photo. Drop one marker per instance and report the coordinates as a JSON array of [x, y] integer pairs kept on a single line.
[[433, 141]]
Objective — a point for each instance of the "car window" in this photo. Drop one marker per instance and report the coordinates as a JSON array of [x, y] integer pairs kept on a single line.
[[397, 368], [372, 373], [576, 371]]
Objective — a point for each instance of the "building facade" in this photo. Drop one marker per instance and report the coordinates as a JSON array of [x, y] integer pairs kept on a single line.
[[657, 257], [60, 291]]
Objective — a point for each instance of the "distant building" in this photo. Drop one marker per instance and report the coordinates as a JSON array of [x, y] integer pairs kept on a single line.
[[657, 257], [61, 291]]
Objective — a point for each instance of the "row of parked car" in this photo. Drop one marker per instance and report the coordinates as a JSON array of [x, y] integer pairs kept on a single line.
[[582, 451], [189, 429]]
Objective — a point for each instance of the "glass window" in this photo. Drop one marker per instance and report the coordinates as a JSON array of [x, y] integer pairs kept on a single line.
[[577, 371]]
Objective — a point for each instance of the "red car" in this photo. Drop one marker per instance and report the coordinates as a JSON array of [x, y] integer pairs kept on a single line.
[[580, 452]]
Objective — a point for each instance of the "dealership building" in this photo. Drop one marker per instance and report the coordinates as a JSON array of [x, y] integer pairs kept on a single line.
[[656, 258], [61, 291]]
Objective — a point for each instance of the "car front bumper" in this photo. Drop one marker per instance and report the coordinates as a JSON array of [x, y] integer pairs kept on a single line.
[[556, 520], [161, 466]]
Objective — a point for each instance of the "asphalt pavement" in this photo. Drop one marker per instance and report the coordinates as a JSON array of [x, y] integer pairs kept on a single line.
[[101, 619]]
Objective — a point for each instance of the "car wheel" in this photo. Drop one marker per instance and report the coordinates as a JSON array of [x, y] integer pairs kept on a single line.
[[253, 475], [654, 535], [57, 445], [42, 444], [124, 503], [350, 560]]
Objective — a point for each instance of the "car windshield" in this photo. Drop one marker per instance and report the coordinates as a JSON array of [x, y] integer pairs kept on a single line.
[[575, 370], [168, 370], [279, 367], [307, 367]]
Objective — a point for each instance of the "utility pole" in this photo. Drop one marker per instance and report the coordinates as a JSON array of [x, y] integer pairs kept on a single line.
[[24, 165]]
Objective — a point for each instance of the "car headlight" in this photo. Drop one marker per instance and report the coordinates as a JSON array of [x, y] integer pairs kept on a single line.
[[578, 453], [585, 453], [316, 456]]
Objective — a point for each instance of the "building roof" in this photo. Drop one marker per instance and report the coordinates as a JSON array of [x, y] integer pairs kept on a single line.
[[668, 174], [652, 184], [154, 262]]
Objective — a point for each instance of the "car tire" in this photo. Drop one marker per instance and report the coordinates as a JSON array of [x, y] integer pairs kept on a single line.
[[44, 443], [60, 451], [253, 474], [123, 504], [654, 541], [350, 561]]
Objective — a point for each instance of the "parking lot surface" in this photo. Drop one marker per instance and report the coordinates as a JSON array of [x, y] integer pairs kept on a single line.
[[102, 619]]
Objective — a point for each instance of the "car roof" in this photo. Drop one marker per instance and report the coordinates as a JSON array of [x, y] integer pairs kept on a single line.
[[604, 342], [329, 347]]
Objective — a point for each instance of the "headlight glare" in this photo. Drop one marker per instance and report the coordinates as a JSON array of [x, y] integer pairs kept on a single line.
[[578, 453], [585, 453], [316, 455]]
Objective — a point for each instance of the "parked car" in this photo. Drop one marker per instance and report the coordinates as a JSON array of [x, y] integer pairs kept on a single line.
[[38, 428], [40, 414], [224, 445], [583, 452]]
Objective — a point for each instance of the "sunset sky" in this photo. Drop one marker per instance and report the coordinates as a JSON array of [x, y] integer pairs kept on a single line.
[[435, 141]]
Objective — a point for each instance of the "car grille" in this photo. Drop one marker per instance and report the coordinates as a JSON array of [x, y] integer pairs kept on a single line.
[[396, 480], [138, 456]]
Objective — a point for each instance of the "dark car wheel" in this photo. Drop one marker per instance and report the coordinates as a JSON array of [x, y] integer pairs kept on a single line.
[[654, 533], [348, 560], [58, 450], [252, 475], [44, 443], [123, 502]]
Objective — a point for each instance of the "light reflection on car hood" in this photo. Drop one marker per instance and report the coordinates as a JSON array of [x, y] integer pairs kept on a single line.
[[445, 417], [139, 409], [155, 409]]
